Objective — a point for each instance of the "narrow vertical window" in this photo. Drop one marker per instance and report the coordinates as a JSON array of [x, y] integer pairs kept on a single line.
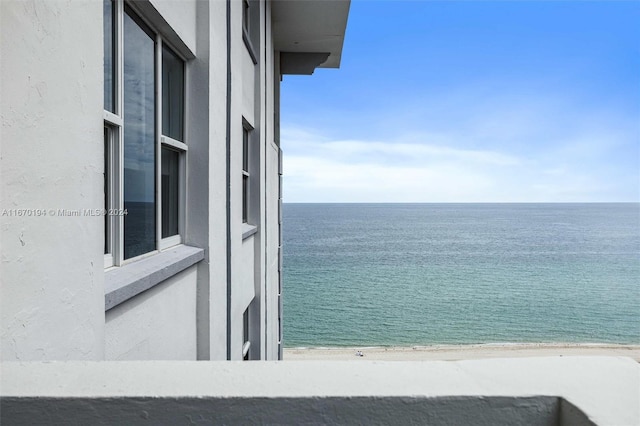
[[170, 187], [246, 343], [245, 175], [173, 137], [172, 95], [112, 124], [139, 138], [107, 204], [109, 55]]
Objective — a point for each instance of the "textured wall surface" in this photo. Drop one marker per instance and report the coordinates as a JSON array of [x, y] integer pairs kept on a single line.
[[180, 15], [157, 324], [52, 299]]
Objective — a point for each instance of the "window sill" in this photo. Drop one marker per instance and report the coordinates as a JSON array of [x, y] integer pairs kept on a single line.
[[126, 282], [248, 230]]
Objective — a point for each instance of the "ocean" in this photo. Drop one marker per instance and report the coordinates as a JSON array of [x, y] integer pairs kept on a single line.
[[426, 274]]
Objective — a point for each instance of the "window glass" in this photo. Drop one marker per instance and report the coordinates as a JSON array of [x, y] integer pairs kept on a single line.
[[245, 150], [139, 140], [172, 95], [170, 178], [107, 164], [245, 201], [245, 335], [109, 55], [245, 175]]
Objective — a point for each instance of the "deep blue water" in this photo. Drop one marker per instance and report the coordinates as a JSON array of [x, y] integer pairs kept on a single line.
[[419, 274]]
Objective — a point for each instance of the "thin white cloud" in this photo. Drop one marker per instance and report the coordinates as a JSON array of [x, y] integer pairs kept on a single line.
[[361, 171], [320, 170], [310, 179]]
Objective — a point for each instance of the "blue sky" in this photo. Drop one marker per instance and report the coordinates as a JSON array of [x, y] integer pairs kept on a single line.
[[471, 101]]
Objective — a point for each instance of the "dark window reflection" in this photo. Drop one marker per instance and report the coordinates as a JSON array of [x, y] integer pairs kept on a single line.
[[109, 55], [170, 170], [245, 150], [245, 333], [245, 175], [172, 95], [139, 139], [107, 162]]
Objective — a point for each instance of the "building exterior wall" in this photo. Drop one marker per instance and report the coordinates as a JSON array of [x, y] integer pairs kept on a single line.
[[273, 250], [158, 324], [206, 179], [58, 301], [179, 16], [273, 196], [52, 289]]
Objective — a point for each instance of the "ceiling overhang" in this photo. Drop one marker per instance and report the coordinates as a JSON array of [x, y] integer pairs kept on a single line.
[[309, 33]]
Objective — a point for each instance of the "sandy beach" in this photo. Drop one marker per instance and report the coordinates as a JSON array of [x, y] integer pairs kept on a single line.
[[460, 352]]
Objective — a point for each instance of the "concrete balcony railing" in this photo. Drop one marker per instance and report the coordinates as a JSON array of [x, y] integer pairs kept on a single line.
[[532, 391]]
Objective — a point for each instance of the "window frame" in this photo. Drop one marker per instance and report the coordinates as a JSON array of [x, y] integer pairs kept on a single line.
[[113, 225], [181, 148], [114, 125], [173, 144], [247, 131], [250, 18]]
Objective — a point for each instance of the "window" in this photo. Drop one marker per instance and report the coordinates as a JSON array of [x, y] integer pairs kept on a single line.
[[139, 138], [246, 183], [250, 24], [172, 95], [144, 102], [107, 203], [109, 55], [246, 343], [170, 188], [173, 147]]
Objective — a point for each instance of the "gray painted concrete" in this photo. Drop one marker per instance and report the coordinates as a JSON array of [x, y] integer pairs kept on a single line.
[[445, 411]]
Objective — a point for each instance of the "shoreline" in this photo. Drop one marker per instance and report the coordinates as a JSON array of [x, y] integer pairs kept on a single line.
[[460, 352]]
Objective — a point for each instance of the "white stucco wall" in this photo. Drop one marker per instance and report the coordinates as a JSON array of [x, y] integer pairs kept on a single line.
[[242, 105], [206, 178], [273, 181], [51, 294], [244, 290], [181, 16], [273, 275], [248, 87], [158, 324]]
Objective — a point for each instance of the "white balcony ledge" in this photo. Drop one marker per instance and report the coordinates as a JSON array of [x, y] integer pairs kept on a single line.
[[534, 391]]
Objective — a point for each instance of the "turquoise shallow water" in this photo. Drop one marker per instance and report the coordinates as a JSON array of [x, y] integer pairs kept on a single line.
[[421, 274]]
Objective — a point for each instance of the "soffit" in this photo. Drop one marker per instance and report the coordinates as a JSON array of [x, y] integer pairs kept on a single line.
[[311, 26]]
